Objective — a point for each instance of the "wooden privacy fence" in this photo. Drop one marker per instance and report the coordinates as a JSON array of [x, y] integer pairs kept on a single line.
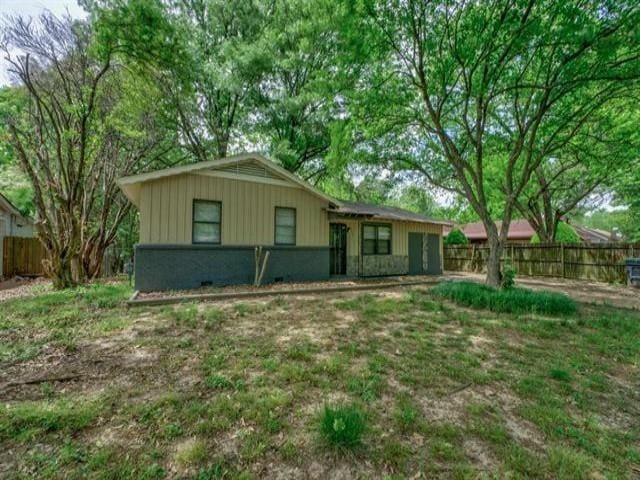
[[22, 256], [600, 262]]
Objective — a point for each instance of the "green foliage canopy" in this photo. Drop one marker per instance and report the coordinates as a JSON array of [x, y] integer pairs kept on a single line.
[[456, 237], [565, 233]]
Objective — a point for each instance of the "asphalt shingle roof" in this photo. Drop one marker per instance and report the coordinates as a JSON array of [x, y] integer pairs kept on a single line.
[[384, 212]]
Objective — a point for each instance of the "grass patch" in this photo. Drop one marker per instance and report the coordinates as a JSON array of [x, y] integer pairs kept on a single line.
[[412, 383], [342, 426], [513, 300], [29, 420], [192, 452]]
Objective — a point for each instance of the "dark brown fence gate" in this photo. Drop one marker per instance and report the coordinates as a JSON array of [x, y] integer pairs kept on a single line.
[[599, 262], [22, 256]]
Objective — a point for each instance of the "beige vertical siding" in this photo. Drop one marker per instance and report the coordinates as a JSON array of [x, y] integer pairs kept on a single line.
[[399, 234], [248, 210]]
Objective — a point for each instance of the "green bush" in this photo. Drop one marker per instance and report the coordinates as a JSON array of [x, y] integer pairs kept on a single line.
[[513, 300], [508, 276], [342, 426], [565, 233], [456, 237]]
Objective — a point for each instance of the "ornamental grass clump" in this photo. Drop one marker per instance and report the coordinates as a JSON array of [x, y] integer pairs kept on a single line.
[[511, 300], [342, 426]]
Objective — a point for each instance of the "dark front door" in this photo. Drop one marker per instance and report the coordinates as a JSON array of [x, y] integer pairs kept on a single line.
[[338, 248], [433, 254], [415, 253]]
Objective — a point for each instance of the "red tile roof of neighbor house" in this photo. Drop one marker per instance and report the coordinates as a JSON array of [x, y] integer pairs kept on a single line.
[[518, 230], [522, 230]]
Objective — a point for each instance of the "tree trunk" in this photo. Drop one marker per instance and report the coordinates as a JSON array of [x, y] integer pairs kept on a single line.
[[494, 274], [59, 267]]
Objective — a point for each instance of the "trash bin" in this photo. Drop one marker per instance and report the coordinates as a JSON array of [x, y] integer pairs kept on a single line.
[[632, 266]]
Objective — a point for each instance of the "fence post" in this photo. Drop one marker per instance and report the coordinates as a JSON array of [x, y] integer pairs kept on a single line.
[[13, 256], [564, 274], [473, 257]]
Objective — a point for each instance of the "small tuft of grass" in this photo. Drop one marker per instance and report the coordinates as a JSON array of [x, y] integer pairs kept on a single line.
[[342, 426], [192, 452], [405, 415], [186, 316], [560, 374], [219, 382], [513, 300]]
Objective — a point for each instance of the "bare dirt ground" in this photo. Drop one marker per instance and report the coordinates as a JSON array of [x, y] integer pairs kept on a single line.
[[580, 290], [23, 287]]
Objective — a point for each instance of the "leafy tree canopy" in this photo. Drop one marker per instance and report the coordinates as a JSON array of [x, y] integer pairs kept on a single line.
[[565, 233], [456, 237]]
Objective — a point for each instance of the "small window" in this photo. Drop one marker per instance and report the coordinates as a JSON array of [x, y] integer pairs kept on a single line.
[[285, 226], [376, 239], [206, 221]]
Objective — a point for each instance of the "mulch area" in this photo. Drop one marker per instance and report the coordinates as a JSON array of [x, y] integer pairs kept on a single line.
[[299, 288], [279, 287], [23, 287]]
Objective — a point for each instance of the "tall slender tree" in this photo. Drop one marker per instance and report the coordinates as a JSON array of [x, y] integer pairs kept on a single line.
[[72, 141]]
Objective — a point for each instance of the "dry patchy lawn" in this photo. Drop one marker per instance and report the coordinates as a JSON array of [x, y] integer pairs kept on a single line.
[[89, 388]]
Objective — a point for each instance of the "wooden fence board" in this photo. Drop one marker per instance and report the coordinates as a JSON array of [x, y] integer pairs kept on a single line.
[[602, 262], [22, 256]]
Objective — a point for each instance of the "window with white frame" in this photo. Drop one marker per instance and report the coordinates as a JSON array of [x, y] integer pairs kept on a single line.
[[206, 221], [285, 226]]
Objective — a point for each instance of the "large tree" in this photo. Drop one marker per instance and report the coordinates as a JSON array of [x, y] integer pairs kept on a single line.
[[486, 91], [605, 150], [74, 139], [298, 96]]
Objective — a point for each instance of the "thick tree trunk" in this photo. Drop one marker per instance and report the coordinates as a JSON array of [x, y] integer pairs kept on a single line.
[[494, 273], [62, 268]]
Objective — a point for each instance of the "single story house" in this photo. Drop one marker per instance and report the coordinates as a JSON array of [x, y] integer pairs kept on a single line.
[[12, 224], [200, 224]]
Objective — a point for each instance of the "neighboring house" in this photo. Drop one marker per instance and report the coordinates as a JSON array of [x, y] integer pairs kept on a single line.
[[594, 235], [200, 223], [12, 224], [519, 232]]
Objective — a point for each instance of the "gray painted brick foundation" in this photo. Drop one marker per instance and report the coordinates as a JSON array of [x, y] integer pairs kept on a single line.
[[169, 267]]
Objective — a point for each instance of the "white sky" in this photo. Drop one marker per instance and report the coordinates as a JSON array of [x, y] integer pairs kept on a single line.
[[34, 7]]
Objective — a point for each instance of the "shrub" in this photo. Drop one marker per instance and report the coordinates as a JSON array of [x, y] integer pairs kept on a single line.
[[565, 233], [513, 300], [456, 237], [342, 426], [508, 277]]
